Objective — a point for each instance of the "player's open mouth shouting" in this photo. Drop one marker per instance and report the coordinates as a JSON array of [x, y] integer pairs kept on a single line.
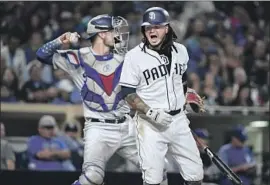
[[153, 35]]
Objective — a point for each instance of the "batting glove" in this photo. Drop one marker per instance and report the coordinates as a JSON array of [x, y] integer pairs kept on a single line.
[[159, 116]]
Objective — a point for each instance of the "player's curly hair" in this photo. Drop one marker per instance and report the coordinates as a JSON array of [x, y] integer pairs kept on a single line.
[[166, 45]]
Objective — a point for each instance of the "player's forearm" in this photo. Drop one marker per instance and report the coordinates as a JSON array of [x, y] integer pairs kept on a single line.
[[137, 103], [10, 165], [62, 154], [43, 155], [45, 52]]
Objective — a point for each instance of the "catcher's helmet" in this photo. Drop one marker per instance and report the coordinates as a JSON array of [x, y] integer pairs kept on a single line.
[[119, 25], [155, 16]]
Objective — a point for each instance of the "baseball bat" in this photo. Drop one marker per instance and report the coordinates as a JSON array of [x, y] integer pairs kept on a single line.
[[219, 163]]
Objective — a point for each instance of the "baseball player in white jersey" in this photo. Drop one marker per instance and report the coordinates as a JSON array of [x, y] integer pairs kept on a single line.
[[96, 71], [152, 84]]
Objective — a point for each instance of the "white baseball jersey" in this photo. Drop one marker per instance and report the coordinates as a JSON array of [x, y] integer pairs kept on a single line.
[[160, 88], [97, 78], [147, 72]]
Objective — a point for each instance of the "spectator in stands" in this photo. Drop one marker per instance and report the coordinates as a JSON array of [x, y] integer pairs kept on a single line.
[[9, 86], [194, 46], [214, 66], [7, 154], [65, 88], [45, 151], [209, 89], [35, 90], [35, 42], [260, 61], [71, 131], [67, 23], [226, 97], [241, 90], [243, 98], [3, 64], [52, 25], [210, 171], [35, 23], [46, 71], [264, 93], [14, 56], [238, 157], [240, 81], [232, 60], [195, 82], [203, 137], [71, 136]]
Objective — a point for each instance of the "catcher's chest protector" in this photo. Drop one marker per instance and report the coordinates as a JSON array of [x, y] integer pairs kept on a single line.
[[101, 91]]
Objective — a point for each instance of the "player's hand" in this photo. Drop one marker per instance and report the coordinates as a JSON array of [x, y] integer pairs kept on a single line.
[[159, 116], [45, 154], [69, 38], [52, 92]]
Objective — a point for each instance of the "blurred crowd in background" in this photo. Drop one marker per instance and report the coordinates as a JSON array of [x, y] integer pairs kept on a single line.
[[228, 44]]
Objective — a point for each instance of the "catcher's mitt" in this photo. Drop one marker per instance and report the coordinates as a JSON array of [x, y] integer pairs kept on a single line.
[[195, 101]]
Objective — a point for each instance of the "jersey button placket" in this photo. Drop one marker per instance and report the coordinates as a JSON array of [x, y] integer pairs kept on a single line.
[[171, 94]]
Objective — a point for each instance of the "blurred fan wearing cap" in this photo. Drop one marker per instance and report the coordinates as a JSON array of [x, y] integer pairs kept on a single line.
[[70, 134], [238, 156], [210, 173], [7, 153], [203, 136], [238, 136], [46, 126], [45, 152], [71, 130]]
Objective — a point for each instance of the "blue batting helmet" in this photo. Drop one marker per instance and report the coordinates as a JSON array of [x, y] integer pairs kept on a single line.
[[156, 16]]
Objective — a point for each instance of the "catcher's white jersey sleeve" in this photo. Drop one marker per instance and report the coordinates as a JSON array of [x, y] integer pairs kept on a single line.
[[68, 61], [147, 72]]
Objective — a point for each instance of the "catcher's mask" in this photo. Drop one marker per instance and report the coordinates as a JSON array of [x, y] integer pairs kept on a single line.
[[106, 22]]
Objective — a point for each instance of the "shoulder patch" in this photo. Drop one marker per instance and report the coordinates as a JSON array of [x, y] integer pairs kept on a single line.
[[72, 57]]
